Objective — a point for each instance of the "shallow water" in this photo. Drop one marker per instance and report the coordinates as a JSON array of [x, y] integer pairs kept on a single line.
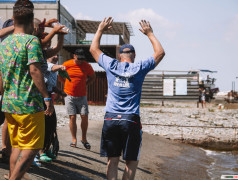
[[224, 163]]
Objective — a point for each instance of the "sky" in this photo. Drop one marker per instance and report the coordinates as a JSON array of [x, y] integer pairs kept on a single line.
[[194, 34]]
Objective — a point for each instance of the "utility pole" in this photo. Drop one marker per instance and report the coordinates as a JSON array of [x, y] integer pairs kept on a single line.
[[233, 86]]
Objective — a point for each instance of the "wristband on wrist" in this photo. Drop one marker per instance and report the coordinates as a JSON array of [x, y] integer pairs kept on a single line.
[[47, 99]]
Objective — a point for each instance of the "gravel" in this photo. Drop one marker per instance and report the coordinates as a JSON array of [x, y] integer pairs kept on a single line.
[[177, 121]]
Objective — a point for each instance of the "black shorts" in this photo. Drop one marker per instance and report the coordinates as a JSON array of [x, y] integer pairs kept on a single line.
[[50, 129], [121, 132]]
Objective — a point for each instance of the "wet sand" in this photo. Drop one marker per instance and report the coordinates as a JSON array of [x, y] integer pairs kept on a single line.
[[160, 159]]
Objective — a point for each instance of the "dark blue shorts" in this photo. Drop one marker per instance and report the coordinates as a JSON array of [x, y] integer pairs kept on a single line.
[[121, 132]]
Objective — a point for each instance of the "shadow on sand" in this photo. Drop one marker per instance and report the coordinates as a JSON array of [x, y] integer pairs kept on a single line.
[[66, 167]]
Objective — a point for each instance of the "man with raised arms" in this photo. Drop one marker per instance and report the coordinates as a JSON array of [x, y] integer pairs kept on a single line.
[[122, 127]]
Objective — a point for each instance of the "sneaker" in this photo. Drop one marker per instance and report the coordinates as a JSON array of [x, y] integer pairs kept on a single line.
[[51, 155], [45, 158], [36, 162]]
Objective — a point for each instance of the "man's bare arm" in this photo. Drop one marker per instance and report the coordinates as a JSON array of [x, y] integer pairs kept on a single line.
[[6, 31], [38, 78], [57, 29], [95, 46], [158, 49], [1, 84], [53, 51], [58, 67]]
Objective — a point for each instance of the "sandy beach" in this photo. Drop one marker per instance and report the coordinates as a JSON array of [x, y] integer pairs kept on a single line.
[[160, 159], [161, 156]]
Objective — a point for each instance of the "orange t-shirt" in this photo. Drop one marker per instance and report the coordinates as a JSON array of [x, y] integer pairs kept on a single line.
[[78, 75]]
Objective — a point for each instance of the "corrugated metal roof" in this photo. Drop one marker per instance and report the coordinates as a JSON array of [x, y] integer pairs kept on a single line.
[[109, 50], [96, 67], [117, 27]]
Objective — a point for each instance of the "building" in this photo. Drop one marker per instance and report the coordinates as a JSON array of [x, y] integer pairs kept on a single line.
[[170, 85], [80, 36], [48, 9], [76, 38], [120, 30]]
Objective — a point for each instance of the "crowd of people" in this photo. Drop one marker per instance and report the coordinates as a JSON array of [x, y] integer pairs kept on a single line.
[[28, 76]]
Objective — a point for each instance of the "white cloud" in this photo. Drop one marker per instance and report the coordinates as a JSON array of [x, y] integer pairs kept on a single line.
[[82, 17], [157, 21], [231, 34]]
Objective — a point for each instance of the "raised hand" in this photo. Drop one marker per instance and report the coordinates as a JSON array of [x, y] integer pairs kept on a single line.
[[58, 29], [146, 28], [105, 24], [50, 22]]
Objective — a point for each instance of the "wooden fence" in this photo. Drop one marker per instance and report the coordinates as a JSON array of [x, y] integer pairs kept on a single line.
[[97, 91]]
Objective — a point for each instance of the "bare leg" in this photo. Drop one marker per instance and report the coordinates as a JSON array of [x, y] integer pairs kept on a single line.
[[5, 138], [204, 102], [13, 159], [23, 163], [73, 127], [84, 127], [130, 170], [112, 168], [4, 135]]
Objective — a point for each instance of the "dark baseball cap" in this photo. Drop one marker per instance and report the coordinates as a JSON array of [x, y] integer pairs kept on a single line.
[[7, 23], [80, 53], [127, 46]]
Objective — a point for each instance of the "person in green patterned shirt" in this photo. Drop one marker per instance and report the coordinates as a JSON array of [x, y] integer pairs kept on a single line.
[[22, 86]]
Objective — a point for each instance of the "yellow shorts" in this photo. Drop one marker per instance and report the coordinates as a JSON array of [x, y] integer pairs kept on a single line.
[[26, 131]]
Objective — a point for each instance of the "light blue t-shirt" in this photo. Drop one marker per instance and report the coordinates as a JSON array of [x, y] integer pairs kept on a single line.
[[50, 77], [124, 83]]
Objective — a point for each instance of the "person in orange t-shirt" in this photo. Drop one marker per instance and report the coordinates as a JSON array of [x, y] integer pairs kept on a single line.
[[81, 74]]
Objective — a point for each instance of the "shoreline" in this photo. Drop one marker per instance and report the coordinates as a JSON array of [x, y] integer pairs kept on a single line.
[[181, 122], [210, 144], [160, 159]]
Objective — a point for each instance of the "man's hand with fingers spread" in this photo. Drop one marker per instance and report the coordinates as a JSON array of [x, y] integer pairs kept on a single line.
[[105, 24], [158, 49], [146, 28]]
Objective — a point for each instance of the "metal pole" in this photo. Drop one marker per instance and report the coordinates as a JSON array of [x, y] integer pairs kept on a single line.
[[59, 11], [236, 77], [234, 86], [163, 88]]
